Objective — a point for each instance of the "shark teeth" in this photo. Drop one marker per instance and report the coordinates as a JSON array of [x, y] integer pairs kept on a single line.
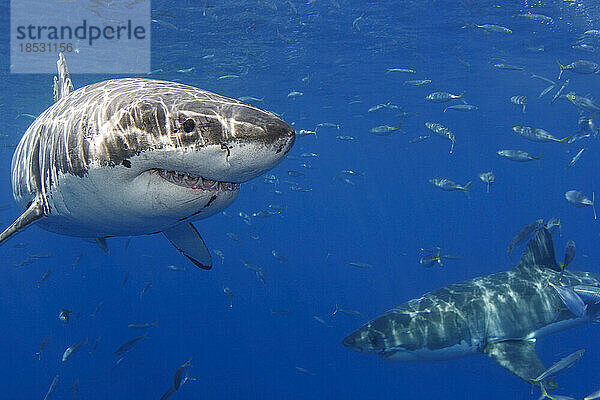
[[196, 182]]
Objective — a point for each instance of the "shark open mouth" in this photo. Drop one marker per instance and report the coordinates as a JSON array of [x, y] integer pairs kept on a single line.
[[196, 182]]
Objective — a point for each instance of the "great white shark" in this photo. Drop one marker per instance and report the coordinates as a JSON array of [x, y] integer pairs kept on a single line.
[[136, 156], [499, 315]]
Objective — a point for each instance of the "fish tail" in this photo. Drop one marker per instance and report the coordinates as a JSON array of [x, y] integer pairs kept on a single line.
[[337, 308], [544, 393], [466, 186], [593, 204], [524, 107], [538, 157], [187, 362], [445, 109], [562, 68], [399, 127], [452, 147]]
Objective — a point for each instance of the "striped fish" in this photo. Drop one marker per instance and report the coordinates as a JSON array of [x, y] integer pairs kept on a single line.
[[519, 100]]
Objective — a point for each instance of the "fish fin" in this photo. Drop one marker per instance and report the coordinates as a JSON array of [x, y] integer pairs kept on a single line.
[[62, 83], [34, 212], [101, 242], [519, 357], [562, 67], [188, 241], [540, 252]]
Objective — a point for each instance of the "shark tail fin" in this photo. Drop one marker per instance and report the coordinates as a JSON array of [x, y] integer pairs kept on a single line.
[[62, 83], [34, 212], [540, 252]]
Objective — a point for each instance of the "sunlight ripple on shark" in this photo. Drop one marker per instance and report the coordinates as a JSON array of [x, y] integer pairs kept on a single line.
[[136, 156], [500, 315]]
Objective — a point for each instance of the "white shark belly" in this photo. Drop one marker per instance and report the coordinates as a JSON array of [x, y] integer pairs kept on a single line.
[[462, 349], [92, 206]]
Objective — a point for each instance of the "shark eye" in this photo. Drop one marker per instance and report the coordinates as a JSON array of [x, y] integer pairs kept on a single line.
[[189, 125]]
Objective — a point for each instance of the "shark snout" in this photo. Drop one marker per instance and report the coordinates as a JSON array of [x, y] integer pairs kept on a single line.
[[258, 145]]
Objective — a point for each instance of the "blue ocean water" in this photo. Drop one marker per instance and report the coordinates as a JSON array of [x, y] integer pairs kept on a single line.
[[269, 345]]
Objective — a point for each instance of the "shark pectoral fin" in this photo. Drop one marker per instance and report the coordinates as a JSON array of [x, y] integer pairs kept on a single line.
[[188, 241], [101, 242], [34, 212], [520, 358]]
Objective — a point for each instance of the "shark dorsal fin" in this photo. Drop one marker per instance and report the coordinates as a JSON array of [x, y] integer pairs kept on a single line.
[[540, 252], [62, 82]]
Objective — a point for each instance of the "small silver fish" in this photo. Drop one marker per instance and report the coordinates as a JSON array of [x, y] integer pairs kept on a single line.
[[579, 67], [560, 366], [494, 28], [294, 94], [449, 186], [584, 47], [517, 155], [142, 325], [278, 256], [578, 199], [228, 77], [508, 67], [550, 81], [418, 139], [442, 97], [385, 130], [588, 292], [63, 315], [359, 264], [43, 344], [417, 82], [537, 134], [321, 321], [462, 107], [51, 388], [443, 132], [575, 158], [523, 234], [305, 371], [229, 293], [404, 70], [349, 312], [519, 100], [126, 346], [546, 91], [488, 178], [571, 300], [71, 349], [560, 91], [536, 17], [175, 268]]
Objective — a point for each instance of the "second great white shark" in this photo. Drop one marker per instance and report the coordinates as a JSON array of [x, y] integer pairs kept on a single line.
[[137, 156], [500, 315]]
